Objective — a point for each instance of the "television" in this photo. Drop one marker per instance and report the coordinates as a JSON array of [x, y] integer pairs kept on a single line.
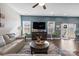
[[38, 25]]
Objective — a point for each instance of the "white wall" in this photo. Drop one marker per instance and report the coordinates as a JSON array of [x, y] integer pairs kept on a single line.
[[11, 21]]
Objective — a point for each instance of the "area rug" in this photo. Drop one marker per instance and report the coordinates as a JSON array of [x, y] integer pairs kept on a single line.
[[52, 51]]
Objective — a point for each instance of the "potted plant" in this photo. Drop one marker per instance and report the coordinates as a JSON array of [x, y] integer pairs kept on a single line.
[[55, 34]]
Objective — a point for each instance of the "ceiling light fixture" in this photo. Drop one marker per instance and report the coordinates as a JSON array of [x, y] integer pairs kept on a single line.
[[41, 4]]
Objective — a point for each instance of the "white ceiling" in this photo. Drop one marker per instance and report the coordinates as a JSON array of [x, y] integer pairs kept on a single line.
[[55, 9]]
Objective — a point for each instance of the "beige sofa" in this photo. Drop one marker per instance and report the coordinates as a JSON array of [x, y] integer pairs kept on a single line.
[[12, 46]]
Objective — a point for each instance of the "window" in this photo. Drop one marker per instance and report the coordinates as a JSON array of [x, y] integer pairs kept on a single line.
[[27, 27], [51, 27]]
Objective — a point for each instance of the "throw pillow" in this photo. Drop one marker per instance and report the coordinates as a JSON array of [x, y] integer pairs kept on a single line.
[[6, 37], [11, 35], [2, 41]]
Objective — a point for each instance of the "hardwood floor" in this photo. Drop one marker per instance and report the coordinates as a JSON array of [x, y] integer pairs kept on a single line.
[[69, 45]]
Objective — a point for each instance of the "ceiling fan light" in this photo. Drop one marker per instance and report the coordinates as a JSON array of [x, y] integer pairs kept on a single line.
[[41, 4]]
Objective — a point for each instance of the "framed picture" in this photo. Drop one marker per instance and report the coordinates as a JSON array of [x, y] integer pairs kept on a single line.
[[65, 26], [2, 17], [0, 24]]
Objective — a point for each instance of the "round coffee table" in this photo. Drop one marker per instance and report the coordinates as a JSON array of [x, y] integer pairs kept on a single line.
[[41, 50]]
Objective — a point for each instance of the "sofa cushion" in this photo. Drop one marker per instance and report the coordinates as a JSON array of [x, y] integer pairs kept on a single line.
[[13, 47], [11, 35], [2, 41], [7, 39]]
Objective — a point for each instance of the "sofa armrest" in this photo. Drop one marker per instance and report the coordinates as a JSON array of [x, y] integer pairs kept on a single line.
[[20, 37]]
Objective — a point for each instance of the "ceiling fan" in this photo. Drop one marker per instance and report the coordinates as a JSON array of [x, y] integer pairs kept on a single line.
[[40, 4]]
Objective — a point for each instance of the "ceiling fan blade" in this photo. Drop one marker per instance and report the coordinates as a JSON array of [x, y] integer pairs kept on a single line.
[[44, 6], [35, 5]]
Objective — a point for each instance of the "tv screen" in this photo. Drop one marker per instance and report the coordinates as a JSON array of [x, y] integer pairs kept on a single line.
[[38, 25]]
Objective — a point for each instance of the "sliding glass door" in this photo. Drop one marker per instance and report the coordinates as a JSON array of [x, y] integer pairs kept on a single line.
[[68, 31]]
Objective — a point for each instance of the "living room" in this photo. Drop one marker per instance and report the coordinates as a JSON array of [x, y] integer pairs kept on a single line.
[[50, 29]]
